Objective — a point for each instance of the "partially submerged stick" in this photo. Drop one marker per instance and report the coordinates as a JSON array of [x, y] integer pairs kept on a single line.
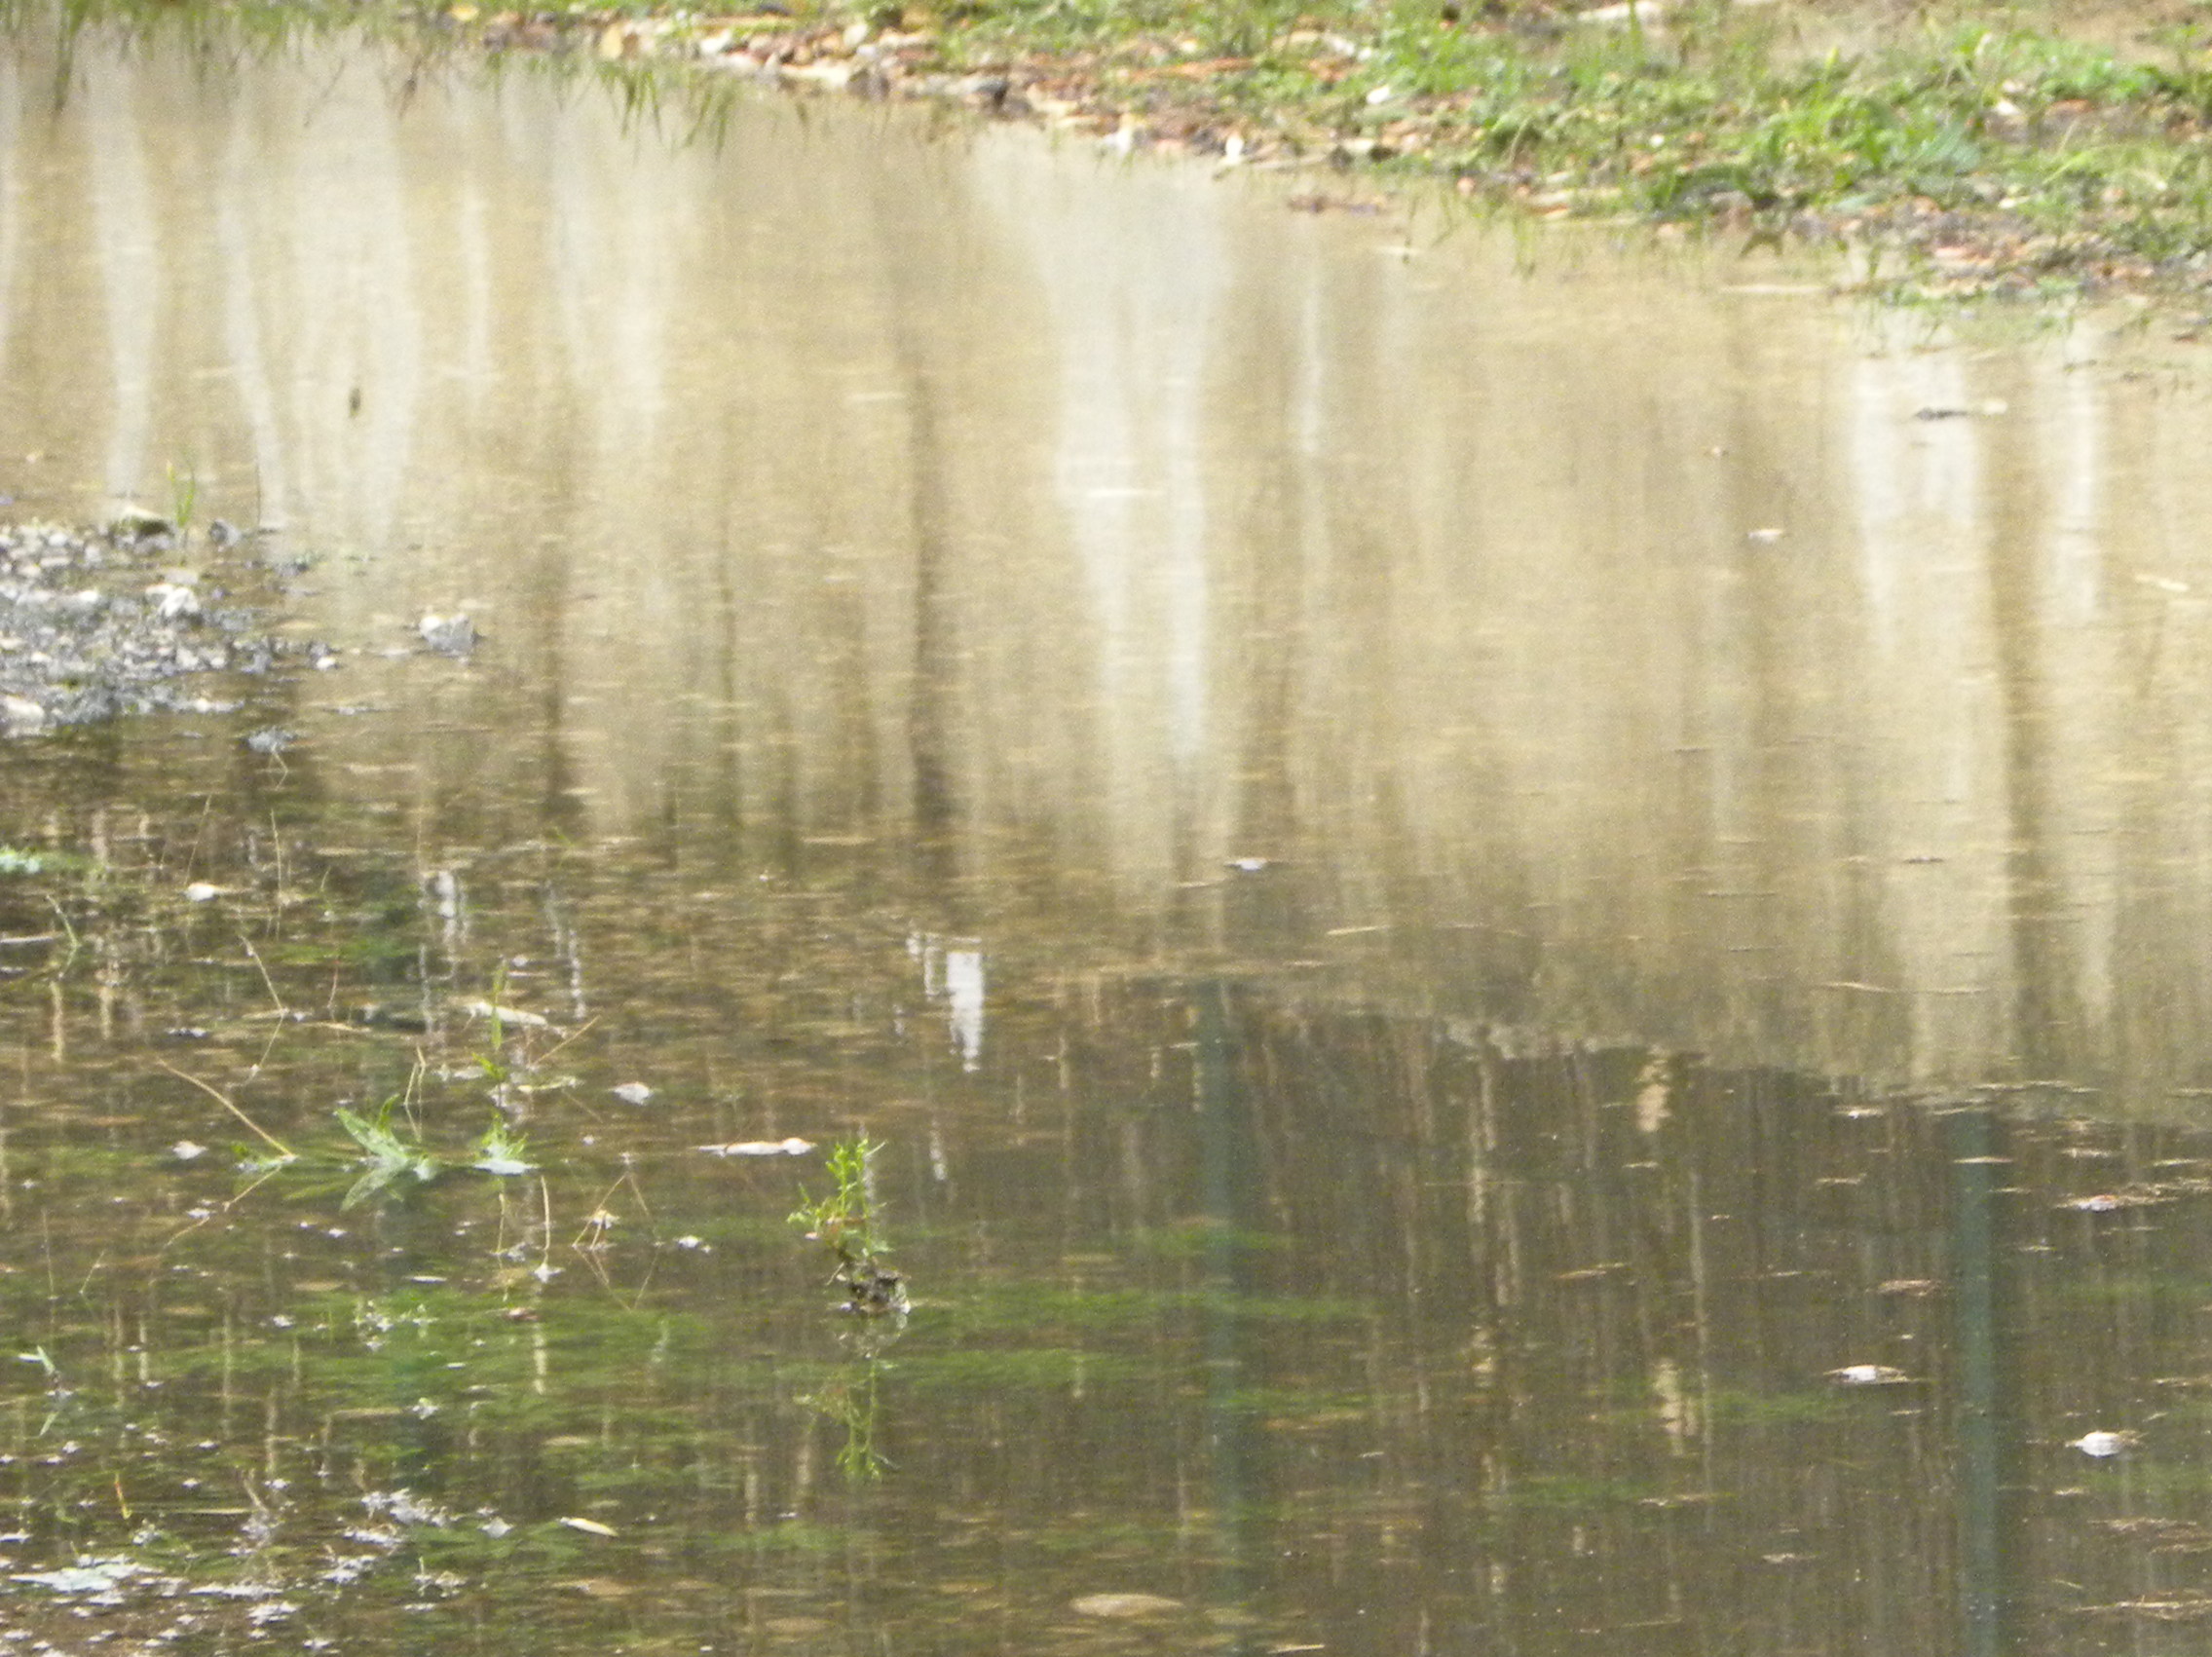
[[221, 1098]]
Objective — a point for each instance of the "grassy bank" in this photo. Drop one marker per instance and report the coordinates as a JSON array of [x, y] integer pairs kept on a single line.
[[1965, 152], [1982, 153]]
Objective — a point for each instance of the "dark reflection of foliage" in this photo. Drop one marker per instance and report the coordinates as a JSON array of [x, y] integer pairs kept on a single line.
[[853, 1400]]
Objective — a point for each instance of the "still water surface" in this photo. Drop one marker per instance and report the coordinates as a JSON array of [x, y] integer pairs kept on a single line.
[[1455, 877]]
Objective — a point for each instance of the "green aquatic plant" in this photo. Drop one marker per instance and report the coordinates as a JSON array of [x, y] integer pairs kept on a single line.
[[845, 1222], [388, 1154], [184, 499], [501, 1150]]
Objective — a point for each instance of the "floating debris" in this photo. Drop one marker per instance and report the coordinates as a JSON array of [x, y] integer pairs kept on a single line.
[[589, 1527], [2103, 1445], [761, 1148], [2181, 1607], [506, 1015], [2135, 1197], [1989, 407], [633, 1093], [98, 1578], [1123, 1605], [1868, 1375]]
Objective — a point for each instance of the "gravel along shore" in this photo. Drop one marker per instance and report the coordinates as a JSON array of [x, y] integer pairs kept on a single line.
[[100, 623]]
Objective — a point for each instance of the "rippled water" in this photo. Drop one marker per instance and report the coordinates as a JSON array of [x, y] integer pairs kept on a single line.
[[1528, 928]]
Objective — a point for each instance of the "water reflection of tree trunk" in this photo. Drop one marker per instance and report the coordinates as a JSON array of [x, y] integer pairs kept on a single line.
[[929, 698], [1990, 1524], [2044, 1002], [1228, 1157]]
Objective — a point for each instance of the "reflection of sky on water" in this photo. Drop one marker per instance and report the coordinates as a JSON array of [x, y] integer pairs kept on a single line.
[[951, 973], [1133, 283]]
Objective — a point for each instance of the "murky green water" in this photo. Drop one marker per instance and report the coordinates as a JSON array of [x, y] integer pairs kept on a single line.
[[1457, 884]]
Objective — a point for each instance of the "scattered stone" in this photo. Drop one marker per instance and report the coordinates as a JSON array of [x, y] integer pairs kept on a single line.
[[175, 601], [448, 635], [135, 523], [93, 625]]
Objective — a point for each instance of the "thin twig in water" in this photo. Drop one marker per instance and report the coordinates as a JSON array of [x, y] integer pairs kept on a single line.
[[254, 955], [62, 915], [191, 857], [220, 1097], [566, 1039], [545, 1193], [207, 1215], [269, 1046]]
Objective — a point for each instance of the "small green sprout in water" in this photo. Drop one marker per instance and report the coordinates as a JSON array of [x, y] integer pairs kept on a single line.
[[387, 1154], [501, 1151], [845, 1222], [184, 498]]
